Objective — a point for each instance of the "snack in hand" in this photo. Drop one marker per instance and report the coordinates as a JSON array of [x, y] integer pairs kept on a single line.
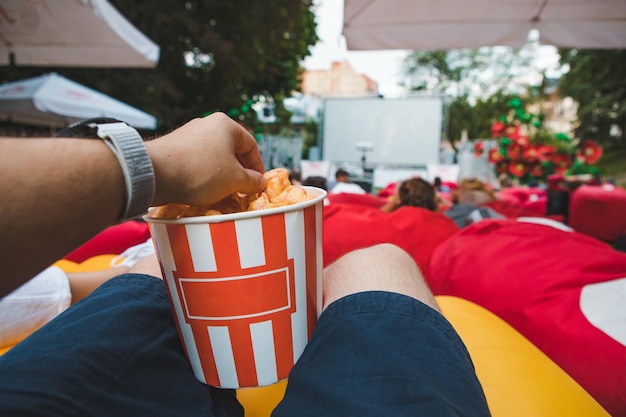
[[278, 192]]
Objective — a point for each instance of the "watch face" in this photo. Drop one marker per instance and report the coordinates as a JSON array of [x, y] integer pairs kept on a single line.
[[86, 128]]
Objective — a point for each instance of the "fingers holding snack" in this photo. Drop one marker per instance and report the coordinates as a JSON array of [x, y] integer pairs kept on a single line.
[[278, 193], [219, 158]]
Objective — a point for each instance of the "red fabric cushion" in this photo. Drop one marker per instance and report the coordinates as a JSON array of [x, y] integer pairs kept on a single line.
[[532, 277], [113, 240], [530, 199], [599, 211], [513, 211], [418, 231], [389, 190]]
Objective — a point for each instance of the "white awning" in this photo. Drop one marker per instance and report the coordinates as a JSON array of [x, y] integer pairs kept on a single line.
[[71, 33], [55, 101], [455, 24]]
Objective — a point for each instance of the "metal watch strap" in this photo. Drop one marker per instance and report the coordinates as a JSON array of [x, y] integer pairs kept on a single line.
[[136, 165]]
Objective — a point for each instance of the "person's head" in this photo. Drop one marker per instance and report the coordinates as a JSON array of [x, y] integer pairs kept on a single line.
[[341, 175], [295, 176], [417, 192], [437, 182], [316, 181], [472, 191]]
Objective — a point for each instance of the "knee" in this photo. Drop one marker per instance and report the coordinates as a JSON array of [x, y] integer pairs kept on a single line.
[[382, 267]]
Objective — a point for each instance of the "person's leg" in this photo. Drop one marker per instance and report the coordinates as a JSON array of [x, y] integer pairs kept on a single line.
[[33, 304], [383, 267], [117, 352], [381, 347], [53, 290], [84, 283]]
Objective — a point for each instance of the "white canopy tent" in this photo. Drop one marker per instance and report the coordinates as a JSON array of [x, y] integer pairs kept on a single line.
[[71, 33], [55, 101], [455, 24]]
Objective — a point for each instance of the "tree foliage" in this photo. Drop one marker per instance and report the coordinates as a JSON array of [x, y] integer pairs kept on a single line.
[[215, 55], [596, 81], [477, 83], [473, 73], [478, 117]]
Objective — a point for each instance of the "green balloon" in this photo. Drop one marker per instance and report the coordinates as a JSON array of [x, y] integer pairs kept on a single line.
[[515, 103], [562, 137]]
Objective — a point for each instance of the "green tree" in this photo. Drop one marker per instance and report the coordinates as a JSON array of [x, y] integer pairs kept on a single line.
[[476, 117], [471, 73], [477, 83], [596, 81], [215, 55], [440, 72]]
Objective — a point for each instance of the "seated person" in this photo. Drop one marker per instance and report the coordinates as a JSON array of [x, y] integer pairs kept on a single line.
[[414, 192], [53, 290], [468, 203], [409, 219], [473, 191], [343, 184]]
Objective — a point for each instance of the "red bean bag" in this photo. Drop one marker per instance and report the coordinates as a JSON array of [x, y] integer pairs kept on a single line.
[[564, 291], [599, 211], [513, 211], [418, 231], [388, 191], [531, 199], [113, 240]]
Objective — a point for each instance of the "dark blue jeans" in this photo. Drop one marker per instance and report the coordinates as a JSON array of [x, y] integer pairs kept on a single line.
[[117, 353]]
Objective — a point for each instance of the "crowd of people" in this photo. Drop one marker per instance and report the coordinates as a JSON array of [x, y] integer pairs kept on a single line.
[[464, 202]]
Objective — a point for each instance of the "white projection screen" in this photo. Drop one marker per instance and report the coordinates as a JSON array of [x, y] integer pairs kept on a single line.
[[403, 131]]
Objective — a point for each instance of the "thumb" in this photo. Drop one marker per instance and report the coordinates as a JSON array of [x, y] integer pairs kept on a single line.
[[252, 182]]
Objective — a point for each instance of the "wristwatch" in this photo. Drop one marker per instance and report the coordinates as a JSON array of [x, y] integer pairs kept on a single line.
[[129, 148]]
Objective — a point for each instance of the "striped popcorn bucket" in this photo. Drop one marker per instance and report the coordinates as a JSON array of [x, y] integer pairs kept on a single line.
[[245, 289]]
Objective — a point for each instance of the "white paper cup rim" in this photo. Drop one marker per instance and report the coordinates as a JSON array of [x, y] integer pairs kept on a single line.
[[220, 218]]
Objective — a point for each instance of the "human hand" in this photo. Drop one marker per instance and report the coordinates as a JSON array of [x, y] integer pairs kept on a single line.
[[204, 161], [392, 203]]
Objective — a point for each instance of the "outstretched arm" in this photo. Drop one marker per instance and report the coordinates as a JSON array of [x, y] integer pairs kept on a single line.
[[59, 192]]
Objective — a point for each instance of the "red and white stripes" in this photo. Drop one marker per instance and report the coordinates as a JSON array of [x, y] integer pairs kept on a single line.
[[246, 293]]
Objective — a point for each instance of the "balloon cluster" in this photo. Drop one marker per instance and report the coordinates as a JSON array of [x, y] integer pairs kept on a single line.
[[528, 152]]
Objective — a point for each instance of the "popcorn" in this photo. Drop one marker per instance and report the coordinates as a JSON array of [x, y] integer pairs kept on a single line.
[[278, 192]]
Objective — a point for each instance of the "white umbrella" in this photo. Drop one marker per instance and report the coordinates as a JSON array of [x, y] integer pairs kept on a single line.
[[55, 101], [71, 33], [454, 24]]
